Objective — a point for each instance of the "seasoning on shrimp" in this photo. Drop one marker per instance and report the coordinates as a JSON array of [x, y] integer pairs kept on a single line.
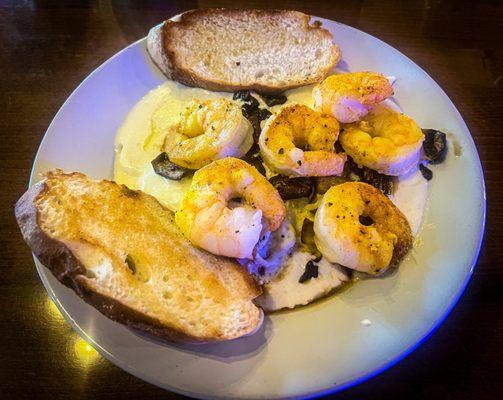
[[299, 141], [209, 219], [208, 131], [360, 228], [385, 141], [350, 96]]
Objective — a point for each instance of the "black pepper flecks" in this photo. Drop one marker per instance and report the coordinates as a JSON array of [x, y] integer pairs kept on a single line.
[[310, 272]]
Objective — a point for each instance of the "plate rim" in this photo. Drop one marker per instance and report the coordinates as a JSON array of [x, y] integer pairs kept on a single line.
[[309, 395]]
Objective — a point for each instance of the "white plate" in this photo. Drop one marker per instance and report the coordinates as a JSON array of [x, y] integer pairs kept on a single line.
[[321, 348]]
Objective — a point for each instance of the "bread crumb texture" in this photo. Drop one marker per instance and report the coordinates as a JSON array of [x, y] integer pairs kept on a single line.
[[134, 253], [268, 49]]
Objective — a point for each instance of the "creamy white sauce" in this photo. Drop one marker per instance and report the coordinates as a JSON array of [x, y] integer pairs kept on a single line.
[[410, 196], [285, 291], [136, 146]]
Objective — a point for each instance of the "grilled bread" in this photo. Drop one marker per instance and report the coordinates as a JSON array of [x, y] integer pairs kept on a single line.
[[268, 51], [121, 251]]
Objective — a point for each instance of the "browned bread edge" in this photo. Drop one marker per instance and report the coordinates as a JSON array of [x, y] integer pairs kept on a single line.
[[59, 259], [186, 77]]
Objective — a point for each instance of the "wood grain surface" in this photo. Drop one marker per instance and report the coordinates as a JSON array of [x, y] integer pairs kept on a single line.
[[47, 48]]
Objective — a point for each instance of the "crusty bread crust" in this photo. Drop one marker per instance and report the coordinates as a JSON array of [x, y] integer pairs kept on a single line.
[[67, 268], [173, 68]]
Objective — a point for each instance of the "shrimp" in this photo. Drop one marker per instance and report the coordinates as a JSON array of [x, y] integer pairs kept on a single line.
[[350, 96], [385, 141], [299, 141], [360, 228], [208, 131], [209, 219]]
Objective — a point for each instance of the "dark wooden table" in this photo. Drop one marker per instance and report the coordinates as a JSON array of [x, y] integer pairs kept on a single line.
[[47, 48]]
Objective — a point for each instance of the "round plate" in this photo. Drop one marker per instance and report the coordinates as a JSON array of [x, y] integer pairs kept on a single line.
[[316, 349]]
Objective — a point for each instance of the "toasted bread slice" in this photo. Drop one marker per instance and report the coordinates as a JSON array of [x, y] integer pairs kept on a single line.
[[121, 251], [268, 51]]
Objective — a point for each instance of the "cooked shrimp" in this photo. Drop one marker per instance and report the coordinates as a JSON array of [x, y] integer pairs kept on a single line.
[[386, 141], [298, 141], [208, 131], [360, 228], [350, 96], [209, 219]]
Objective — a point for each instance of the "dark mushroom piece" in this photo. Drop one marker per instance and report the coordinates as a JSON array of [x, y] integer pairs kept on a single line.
[[434, 146], [263, 113], [244, 95], [251, 111], [271, 100], [255, 122], [253, 158], [162, 166], [380, 181], [427, 173], [250, 103], [310, 272], [292, 188], [323, 183]]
